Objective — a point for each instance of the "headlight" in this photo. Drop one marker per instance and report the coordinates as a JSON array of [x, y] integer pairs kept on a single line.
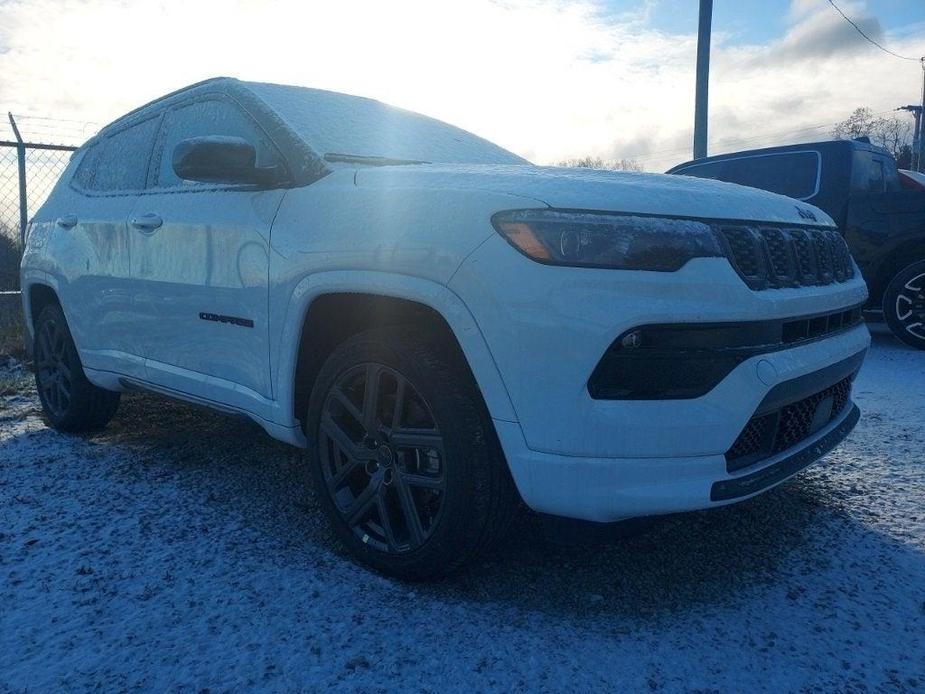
[[626, 242]]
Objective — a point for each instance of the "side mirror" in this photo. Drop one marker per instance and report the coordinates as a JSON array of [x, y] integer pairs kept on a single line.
[[219, 159]]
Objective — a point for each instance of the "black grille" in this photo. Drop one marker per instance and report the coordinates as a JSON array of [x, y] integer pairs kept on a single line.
[[771, 257], [754, 437], [744, 246], [801, 329], [803, 251], [779, 255], [774, 432]]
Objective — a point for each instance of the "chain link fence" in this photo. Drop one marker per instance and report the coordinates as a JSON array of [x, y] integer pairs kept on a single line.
[[34, 151]]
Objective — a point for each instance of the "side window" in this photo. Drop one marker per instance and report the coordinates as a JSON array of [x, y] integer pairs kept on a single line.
[[84, 174], [875, 176], [890, 175], [793, 174], [872, 172], [119, 162], [203, 118], [711, 170]]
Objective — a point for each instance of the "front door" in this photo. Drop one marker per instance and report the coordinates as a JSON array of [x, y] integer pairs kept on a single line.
[[200, 266]]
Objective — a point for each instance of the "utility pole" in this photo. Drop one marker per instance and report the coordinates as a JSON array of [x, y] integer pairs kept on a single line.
[[703, 78], [916, 112], [921, 123]]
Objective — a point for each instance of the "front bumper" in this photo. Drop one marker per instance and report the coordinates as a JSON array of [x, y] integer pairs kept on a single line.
[[603, 460], [613, 488], [608, 489]]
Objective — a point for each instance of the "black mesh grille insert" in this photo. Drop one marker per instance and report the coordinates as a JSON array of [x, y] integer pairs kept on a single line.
[[802, 247], [778, 248], [770, 257], [774, 432], [744, 248], [823, 251], [753, 437]]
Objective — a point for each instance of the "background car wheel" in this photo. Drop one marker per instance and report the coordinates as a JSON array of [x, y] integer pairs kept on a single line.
[[904, 305], [70, 402], [405, 460]]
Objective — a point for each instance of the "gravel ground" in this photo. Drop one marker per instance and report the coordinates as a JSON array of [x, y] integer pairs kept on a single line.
[[181, 550]]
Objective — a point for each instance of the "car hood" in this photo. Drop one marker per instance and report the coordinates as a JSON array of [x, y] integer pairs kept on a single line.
[[612, 191]]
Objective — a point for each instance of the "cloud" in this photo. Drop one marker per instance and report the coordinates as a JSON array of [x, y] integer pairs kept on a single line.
[[547, 79], [823, 33], [800, 8]]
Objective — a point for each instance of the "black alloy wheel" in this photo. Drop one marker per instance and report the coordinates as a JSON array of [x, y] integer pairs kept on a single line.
[[405, 460], [904, 305], [383, 458], [70, 402], [54, 372]]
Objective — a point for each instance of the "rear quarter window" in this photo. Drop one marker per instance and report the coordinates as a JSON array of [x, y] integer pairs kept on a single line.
[[794, 174]]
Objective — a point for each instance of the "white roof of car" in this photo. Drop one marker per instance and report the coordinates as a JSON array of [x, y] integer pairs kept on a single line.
[[346, 126], [332, 123]]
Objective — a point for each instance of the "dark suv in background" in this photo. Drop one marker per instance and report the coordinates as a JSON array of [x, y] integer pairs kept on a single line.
[[858, 185]]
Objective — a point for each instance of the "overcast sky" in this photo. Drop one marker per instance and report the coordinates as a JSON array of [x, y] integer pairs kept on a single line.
[[544, 78]]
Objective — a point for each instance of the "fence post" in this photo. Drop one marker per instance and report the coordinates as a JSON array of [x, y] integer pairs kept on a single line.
[[23, 198]]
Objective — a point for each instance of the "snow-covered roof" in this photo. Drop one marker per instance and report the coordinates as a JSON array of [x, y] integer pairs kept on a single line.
[[339, 124], [310, 125]]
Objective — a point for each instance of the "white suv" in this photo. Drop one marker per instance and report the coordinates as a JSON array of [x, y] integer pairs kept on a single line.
[[444, 326]]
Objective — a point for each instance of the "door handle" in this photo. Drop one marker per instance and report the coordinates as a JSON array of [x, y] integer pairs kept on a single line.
[[147, 222], [67, 221]]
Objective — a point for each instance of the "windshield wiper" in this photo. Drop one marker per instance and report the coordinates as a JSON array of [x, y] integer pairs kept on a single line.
[[372, 161]]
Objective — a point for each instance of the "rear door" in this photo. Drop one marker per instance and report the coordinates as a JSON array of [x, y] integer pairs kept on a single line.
[[200, 265], [90, 245]]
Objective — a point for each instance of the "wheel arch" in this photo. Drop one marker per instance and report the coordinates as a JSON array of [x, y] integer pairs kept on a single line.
[[900, 257], [362, 300], [37, 293]]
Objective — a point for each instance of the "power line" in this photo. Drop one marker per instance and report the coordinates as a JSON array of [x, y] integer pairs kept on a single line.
[[660, 154], [861, 32]]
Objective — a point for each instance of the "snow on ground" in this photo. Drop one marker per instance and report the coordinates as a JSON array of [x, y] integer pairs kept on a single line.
[[180, 550]]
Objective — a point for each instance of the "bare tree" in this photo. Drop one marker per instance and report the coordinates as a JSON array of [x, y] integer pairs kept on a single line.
[[858, 124], [893, 133], [599, 163]]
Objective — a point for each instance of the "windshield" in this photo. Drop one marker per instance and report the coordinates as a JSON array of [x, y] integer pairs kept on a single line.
[[356, 127]]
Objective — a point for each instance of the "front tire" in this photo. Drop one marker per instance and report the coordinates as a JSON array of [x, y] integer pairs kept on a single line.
[[405, 460], [70, 402], [904, 305]]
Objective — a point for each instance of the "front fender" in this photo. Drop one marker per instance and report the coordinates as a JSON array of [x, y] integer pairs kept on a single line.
[[426, 292]]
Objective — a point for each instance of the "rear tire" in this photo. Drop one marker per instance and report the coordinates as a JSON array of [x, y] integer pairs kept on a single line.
[[70, 402], [904, 305], [404, 457]]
